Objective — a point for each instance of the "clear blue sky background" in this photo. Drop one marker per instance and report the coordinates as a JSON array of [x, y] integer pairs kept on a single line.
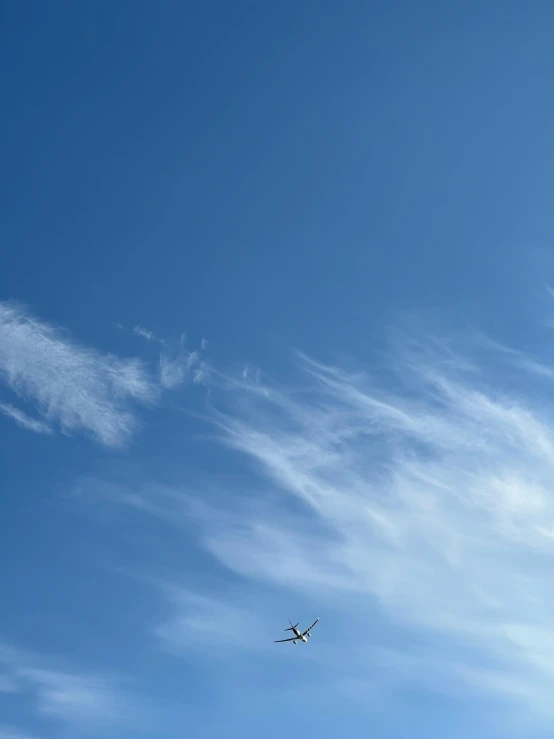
[[191, 194]]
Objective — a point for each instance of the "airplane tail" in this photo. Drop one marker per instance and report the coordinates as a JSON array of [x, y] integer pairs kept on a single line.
[[292, 628]]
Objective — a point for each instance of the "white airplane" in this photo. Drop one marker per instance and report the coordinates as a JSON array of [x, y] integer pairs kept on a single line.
[[298, 636]]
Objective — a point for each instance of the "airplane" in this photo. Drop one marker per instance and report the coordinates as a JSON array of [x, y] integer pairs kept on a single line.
[[298, 636]]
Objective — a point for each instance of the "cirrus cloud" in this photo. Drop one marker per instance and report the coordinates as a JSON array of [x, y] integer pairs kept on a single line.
[[67, 383], [431, 496]]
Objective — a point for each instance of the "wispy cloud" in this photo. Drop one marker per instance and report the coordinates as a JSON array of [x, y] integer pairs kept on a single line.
[[178, 367], [72, 697], [430, 496], [435, 500], [23, 420], [8, 684], [197, 620], [10, 732], [76, 386], [174, 369], [144, 333]]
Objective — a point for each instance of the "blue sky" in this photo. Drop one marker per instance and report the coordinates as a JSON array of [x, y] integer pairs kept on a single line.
[[275, 343]]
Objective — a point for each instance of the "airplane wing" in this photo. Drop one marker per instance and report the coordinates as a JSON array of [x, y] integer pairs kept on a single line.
[[278, 641], [311, 627]]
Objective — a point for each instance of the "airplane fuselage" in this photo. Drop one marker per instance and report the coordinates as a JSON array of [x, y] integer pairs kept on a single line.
[[298, 635]]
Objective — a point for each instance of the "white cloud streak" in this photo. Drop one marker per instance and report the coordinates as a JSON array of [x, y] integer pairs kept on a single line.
[[71, 697], [435, 501], [144, 333], [8, 684], [23, 420], [177, 368], [198, 620], [10, 732], [78, 387]]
